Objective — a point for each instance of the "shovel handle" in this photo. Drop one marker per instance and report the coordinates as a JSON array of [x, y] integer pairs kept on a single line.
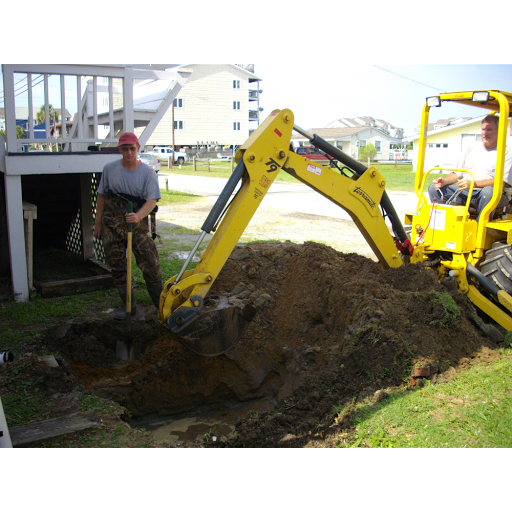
[[129, 265], [130, 210]]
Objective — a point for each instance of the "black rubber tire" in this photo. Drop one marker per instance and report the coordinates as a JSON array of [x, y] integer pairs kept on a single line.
[[497, 266]]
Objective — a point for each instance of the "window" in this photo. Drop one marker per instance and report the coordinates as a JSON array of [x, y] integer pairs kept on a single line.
[[362, 143], [378, 146], [236, 105], [105, 102], [178, 102], [236, 126], [178, 125], [236, 84]]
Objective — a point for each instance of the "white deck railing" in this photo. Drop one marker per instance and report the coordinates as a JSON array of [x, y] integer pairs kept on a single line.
[[84, 131]]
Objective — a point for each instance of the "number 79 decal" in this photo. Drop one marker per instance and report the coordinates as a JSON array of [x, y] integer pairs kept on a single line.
[[273, 165]]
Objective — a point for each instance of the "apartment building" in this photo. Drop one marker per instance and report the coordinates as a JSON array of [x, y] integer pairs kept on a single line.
[[218, 106]]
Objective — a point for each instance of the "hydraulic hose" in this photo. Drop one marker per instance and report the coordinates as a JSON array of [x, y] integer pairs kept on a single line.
[[359, 169], [224, 197], [486, 283]]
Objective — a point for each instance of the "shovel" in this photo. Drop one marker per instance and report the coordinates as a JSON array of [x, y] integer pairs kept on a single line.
[[128, 350]]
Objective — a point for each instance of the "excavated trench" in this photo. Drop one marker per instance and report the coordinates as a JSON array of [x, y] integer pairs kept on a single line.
[[331, 327]]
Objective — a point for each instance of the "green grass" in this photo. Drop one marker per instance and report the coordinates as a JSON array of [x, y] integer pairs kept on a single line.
[[473, 410], [174, 197], [401, 178]]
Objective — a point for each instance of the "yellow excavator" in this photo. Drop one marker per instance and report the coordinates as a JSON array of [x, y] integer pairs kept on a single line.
[[454, 245]]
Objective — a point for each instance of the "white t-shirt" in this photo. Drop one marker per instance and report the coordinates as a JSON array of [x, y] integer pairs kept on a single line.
[[482, 163], [141, 182]]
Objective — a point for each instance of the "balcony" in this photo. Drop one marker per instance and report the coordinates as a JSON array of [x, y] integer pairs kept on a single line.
[[254, 95], [254, 115]]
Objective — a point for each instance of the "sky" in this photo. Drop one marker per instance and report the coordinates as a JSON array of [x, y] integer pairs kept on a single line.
[[393, 93]]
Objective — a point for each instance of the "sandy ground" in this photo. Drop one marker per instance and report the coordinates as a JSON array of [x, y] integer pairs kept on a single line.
[[271, 224]]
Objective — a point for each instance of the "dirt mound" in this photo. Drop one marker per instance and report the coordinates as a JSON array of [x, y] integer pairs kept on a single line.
[[334, 327]]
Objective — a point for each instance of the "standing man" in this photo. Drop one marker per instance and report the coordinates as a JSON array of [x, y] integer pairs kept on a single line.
[[480, 159], [126, 180]]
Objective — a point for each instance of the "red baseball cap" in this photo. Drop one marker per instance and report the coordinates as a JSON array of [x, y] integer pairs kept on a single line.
[[128, 138]]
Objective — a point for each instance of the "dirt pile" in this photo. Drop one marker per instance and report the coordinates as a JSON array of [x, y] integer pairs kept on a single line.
[[335, 327]]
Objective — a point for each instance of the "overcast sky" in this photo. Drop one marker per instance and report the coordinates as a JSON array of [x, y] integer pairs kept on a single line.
[[395, 94]]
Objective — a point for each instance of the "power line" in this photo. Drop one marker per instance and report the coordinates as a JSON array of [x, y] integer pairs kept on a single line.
[[410, 79], [24, 87]]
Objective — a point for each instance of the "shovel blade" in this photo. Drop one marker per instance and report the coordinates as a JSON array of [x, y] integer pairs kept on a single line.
[[215, 331]]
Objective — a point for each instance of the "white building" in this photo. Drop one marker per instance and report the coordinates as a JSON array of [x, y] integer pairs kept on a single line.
[[363, 121], [218, 106], [350, 139], [446, 140]]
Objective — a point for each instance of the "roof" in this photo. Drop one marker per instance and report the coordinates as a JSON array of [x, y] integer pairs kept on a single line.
[[430, 129], [363, 121], [340, 133], [249, 69], [22, 112], [333, 133], [451, 121]]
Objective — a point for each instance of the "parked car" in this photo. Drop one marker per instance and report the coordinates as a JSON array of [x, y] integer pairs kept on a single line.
[[150, 160], [166, 153], [311, 153]]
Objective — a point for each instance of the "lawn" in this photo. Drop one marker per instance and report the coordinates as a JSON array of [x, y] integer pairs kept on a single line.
[[401, 178]]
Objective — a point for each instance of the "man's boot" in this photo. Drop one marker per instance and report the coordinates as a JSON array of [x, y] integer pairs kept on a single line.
[[120, 314], [155, 290]]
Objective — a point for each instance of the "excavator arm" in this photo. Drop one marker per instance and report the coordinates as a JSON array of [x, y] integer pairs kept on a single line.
[[213, 330]]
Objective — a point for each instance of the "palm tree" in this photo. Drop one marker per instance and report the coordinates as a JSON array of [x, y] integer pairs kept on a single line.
[[52, 113]]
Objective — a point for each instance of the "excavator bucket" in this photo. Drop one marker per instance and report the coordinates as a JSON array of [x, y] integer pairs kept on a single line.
[[216, 329]]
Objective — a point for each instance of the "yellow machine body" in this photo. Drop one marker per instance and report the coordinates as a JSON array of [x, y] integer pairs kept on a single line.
[[452, 231], [448, 236]]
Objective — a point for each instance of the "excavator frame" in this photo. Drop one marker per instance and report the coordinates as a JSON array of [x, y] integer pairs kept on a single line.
[[455, 252], [449, 236]]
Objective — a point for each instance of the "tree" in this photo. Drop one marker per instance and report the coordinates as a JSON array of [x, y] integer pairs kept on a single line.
[[40, 116], [367, 152], [54, 116], [20, 132]]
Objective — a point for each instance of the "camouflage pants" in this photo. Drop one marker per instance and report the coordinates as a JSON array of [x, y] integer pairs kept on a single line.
[[114, 235]]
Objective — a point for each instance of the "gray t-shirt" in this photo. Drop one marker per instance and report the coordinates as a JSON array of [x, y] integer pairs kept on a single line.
[[141, 182]]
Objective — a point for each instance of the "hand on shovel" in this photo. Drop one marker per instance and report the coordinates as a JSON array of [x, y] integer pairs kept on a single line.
[[131, 217]]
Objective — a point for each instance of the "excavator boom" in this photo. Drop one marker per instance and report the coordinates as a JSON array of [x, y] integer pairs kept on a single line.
[[209, 327]]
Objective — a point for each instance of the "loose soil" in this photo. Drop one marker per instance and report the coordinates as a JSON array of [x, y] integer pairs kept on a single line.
[[332, 328]]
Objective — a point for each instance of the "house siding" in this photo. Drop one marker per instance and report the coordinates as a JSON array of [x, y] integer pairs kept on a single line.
[[453, 136], [207, 113]]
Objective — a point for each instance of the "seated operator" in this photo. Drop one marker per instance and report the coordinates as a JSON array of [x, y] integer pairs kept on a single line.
[[480, 159]]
